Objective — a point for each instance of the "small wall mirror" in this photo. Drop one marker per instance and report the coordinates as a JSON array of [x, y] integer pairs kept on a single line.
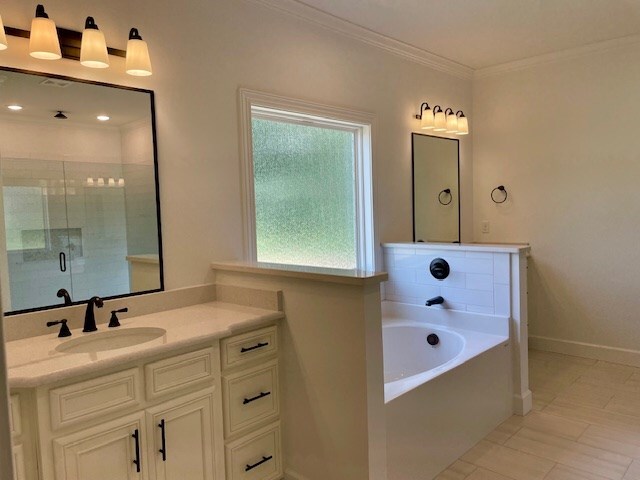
[[79, 199], [436, 189]]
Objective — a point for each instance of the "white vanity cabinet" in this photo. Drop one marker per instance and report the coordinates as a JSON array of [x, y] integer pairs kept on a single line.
[[251, 392], [162, 418]]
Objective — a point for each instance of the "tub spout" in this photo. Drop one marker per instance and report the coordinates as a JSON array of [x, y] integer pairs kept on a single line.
[[434, 301]]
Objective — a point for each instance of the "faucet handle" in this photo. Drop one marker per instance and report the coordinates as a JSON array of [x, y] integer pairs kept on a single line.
[[113, 322], [64, 330]]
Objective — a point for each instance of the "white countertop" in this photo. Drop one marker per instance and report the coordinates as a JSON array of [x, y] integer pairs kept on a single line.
[[471, 247], [35, 361], [331, 275]]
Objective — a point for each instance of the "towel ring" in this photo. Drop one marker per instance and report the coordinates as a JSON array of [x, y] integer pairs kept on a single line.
[[446, 191], [503, 190]]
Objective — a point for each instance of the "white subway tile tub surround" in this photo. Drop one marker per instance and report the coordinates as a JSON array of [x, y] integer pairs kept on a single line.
[[479, 279]]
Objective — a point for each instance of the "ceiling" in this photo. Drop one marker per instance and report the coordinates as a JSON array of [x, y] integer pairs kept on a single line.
[[80, 101], [484, 33]]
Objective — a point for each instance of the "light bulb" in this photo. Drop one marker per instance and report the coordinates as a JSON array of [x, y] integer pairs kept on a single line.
[[137, 61], [43, 39], [93, 49]]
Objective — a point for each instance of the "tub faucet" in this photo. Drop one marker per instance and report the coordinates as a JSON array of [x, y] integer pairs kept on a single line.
[[434, 301], [89, 317], [67, 298]]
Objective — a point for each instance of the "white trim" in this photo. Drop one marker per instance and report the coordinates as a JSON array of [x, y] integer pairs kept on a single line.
[[362, 123], [588, 350], [556, 57], [356, 32]]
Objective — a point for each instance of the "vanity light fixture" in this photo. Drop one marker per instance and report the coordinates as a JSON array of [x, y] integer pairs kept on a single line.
[[138, 62], [15, 108], [3, 37], [452, 121], [43, 41], [463, 123], [48, 42], [103, 118], [426, 117], [442, 121], [93, 50]]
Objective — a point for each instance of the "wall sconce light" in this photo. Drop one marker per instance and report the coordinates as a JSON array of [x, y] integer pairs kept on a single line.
[[48, 42], [43, 41], [93, 49], [3, 36], [138, 62], [442, 121]]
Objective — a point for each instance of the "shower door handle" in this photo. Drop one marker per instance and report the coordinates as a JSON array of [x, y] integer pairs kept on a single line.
[[63, 262]]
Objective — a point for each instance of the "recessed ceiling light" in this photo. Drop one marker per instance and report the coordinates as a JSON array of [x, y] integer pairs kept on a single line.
[[103, 118], [15, 108]]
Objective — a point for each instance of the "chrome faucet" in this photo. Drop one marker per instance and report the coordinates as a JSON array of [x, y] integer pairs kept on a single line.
[[89, 317]]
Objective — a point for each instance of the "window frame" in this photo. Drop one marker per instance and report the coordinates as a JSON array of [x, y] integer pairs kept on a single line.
[[275, 107]]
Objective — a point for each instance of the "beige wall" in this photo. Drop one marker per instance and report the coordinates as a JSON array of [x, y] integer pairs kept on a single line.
[[202, 52], [562, 137]]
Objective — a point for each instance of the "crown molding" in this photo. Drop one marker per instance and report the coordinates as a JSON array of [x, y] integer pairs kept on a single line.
[[338, 25], [556, 57]]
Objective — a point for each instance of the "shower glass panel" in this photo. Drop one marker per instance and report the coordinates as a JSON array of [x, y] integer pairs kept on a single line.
[[35, 231]]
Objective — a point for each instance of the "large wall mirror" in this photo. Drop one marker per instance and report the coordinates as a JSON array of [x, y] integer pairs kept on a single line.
[[79, 199], [436, 189]]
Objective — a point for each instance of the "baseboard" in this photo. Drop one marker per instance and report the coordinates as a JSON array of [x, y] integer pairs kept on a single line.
[[587, 350], [522, 404], [291, 475]]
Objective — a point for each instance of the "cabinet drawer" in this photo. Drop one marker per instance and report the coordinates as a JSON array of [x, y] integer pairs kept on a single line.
[[175, 373], [18, 463], [240, 349], [256, 456], [15, 419], [94, 398], [250, 397]]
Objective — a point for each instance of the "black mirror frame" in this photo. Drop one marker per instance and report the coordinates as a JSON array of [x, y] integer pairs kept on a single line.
[[152, 105], [413, 181]]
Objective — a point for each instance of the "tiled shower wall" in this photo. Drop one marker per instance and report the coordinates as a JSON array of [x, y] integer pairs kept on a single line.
[[478, 282]]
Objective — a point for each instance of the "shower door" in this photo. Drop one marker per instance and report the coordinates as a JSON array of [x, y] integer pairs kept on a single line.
[[36, 233]]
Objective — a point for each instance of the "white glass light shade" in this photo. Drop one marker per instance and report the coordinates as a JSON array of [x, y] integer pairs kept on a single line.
[[101, 182], [121, 182], [93, 50], [440, 122], [427, 120], [452, 123], [463, 126], [138, 62], [3, 36], [90, 181], [43, 42]]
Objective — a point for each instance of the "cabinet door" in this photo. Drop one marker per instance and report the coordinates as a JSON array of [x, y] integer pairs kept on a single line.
[[107, 452], [182, 438]]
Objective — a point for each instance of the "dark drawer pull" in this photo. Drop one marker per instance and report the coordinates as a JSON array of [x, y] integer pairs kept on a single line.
[[163, 437], [136, 436], [264, 459], [257, 397], [248, 349]]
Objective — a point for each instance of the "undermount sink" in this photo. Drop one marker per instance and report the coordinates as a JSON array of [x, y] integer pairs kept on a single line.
[[110, 340]]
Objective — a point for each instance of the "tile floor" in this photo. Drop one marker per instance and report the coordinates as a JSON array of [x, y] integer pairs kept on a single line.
[[585, 425]]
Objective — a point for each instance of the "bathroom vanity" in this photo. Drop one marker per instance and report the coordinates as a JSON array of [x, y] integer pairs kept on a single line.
[[199, 401]]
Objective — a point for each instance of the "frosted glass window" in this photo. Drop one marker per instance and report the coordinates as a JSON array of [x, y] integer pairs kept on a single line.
[[305, 194]]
